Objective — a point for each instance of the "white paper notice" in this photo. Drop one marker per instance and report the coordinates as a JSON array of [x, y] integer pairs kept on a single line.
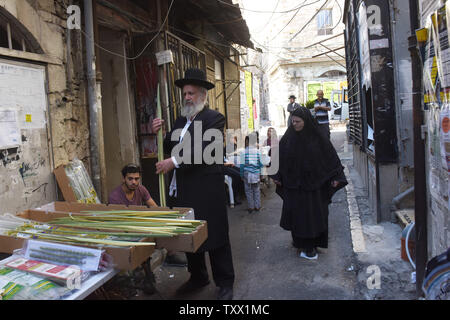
[[9, 130]]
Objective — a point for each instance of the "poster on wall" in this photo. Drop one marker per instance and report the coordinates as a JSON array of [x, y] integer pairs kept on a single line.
[[328, 88], [256, 104], [24, 92], [243, 103], [312, 90], [9, 130], [249, 99], [445, 142], [436, 80], [364, 50]]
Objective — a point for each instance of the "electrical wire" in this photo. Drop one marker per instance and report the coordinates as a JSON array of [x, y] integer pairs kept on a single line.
[[294, 17], [340, 19], [267, 47], [324, 4], [257, 11], [225, 22], [143, 50], [270, 19], [171, 27], [277, 54]]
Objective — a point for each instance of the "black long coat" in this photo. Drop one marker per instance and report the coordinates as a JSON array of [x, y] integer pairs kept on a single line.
[[201, 186], [307, 167]]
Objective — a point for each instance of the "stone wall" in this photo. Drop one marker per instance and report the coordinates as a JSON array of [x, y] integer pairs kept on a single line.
[[46, 21], [68, 126]]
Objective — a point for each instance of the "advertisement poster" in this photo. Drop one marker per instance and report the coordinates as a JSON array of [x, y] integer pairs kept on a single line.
[[436, 78], [249, 97]]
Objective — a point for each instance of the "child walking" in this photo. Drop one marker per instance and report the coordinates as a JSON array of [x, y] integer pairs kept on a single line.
[[250, 170]]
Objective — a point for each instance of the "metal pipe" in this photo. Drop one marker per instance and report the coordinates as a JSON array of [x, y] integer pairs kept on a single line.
[[420, 199], [398, 198], [69, 55], [94, 106]]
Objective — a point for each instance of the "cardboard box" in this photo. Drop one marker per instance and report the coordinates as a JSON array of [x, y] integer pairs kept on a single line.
[[64, 184], [183, 242], [63, 180], [124, 258]]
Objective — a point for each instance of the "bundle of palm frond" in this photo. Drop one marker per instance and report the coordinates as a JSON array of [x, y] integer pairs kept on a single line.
[[139, 222], [15, 226]]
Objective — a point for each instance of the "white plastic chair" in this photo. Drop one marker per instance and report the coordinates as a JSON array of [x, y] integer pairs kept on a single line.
[[229, 183]]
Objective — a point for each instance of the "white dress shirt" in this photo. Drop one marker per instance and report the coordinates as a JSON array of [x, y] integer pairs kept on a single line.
[[173, 183]]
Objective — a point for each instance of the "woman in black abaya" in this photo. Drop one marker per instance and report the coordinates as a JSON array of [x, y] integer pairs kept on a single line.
[[310, 173]]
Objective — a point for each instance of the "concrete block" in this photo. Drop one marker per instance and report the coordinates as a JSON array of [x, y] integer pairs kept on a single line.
[[56, 78]]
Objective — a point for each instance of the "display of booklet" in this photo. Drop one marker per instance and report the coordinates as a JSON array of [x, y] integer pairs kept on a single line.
[[86, 259], [51, 271], [20, 285]]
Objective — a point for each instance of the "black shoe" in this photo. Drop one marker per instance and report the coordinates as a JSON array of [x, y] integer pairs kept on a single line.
[[191, 286], [250, 210], [225, 293]]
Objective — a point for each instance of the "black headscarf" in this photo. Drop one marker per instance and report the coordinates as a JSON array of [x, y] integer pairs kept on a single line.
[[308, 158]]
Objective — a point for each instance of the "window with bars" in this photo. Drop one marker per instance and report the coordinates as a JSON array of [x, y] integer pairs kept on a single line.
[[325, 22], [13, 35], [354, 104], [185, 56]]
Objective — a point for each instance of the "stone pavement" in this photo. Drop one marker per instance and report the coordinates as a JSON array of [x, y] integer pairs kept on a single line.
[[268, 267], [376, 246]]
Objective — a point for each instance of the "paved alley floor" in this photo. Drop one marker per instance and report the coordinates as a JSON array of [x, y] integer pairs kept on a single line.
[[268, 267]]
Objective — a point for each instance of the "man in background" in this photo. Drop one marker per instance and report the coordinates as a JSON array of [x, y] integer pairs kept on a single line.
[[321, 108], [291, 107]]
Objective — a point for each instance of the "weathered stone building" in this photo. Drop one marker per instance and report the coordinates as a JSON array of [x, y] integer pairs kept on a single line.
[[59, 105], [303, 51]]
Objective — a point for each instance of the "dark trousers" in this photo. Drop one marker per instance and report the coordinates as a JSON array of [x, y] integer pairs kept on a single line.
[[221, 266], [325, 129]]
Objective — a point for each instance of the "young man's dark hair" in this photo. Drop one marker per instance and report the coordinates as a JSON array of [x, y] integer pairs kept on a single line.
[[131, 191], [130, 168]]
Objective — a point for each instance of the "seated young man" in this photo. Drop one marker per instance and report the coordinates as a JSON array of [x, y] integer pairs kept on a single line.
[[131, 192]]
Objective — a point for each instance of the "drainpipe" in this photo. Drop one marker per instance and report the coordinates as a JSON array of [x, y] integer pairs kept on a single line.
[[398, 198], [420, 199], [95, 109]]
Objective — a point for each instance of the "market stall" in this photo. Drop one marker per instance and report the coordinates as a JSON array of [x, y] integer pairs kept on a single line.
[[126, 235]]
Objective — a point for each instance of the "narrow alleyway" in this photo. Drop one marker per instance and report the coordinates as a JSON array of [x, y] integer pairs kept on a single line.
[[267, 266]]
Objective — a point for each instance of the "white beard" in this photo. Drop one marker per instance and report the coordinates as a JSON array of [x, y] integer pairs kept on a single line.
[[190, 110]]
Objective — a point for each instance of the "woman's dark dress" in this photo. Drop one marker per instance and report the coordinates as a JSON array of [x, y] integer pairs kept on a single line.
[[308, 164]]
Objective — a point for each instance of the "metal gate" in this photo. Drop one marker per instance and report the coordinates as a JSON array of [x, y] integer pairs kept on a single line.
[[356, 127], [185, 56]]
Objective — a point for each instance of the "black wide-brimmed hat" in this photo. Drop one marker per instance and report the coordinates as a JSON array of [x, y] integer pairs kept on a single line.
[[196, 77], [292, 96]]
